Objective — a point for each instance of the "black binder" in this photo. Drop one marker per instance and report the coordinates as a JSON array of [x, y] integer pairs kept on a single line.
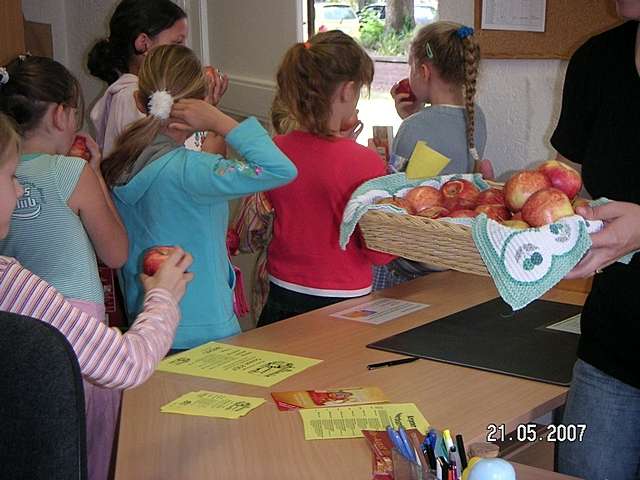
[[491, 336]]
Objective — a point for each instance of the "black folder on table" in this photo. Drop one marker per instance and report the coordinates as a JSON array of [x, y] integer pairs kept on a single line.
[[491, 336]]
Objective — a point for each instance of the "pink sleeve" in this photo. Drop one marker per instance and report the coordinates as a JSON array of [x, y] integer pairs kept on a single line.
[[123, 112], [106, 356]]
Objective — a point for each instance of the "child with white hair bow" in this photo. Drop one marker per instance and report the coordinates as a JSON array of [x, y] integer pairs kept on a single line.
[[169, 195]]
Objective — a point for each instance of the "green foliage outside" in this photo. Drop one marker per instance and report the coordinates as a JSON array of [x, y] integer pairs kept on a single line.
[[373, 36]]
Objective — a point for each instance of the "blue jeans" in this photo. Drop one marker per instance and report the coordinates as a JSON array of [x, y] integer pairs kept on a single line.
[[610, 448]]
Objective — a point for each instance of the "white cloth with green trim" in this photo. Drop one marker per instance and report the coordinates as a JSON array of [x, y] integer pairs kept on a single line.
[[524, 264]]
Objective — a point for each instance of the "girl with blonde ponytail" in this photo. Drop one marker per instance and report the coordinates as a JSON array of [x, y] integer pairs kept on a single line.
[[169, 195], [444, 58]]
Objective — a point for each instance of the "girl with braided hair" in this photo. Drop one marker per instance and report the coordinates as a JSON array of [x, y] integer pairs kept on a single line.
[[319, 85], [444, 58]]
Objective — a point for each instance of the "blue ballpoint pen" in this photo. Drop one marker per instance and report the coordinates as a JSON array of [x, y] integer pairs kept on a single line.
[[411, 455], [397, 442]]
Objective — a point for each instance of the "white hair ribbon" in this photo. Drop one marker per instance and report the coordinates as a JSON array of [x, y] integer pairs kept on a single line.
[[160, 104]]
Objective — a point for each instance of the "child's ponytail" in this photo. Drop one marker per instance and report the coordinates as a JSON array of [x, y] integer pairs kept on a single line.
[[453, 50], [172, 71], [128, 148], [110, 57], [471, 64], [311, 71]]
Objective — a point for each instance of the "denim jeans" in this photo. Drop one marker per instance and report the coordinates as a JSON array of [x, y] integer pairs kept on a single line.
[[610, 448]]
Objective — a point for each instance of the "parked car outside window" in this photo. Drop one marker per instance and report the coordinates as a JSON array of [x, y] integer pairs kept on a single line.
[[336, 16]]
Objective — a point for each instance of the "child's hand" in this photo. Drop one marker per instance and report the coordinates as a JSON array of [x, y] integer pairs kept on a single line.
[[95, 157], [190, 115], [217, 83], [171, 275], [405, 107]]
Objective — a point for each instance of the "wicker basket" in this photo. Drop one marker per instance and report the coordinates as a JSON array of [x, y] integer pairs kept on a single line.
[[438, 243]]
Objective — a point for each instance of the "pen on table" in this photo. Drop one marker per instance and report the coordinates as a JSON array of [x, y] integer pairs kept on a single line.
[[391, 363], [461, 451]]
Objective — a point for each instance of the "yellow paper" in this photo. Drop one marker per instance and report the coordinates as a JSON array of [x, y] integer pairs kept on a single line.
[[236, 364], [348, 422], [425, 162], [212, 404]]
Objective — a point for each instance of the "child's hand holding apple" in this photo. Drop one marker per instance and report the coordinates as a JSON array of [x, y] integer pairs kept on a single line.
[[84, 146], [165, 267], [218, 84], [406, 102]]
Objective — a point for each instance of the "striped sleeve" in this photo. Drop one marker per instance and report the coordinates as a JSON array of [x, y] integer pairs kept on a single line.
[[106, 356], [67, 171]]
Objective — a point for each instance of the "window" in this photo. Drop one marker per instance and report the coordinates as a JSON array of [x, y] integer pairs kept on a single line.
[[365, 20]]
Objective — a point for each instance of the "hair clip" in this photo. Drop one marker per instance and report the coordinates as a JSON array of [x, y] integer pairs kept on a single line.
[[4, 76], [307, 45], [160, 104], [430, 54], [464, 32]]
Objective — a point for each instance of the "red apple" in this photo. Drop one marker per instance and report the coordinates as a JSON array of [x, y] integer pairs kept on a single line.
[[423, 197], [434, 212], [211, 72], [546, 206], [521, 186], [517, 224], [397, 201], [459, 195], [563, 177], [154, 257], [495, 212], [79, 148], [403, 86], [491, 196], [463, 214]]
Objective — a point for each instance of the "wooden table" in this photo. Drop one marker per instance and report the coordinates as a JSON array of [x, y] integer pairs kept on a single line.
[[269, 444]]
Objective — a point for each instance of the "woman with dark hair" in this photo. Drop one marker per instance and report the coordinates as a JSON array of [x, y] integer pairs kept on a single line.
[[135, 27]]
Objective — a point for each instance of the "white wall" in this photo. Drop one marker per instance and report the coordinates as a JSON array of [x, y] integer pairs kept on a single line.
[[76, 26], [248, 39], [521, 100]]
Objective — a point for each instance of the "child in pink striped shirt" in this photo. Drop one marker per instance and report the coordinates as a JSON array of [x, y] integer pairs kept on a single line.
[[107, 357]]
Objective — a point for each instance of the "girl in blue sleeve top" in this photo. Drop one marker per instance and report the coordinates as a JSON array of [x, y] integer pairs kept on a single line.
[[168, 195]]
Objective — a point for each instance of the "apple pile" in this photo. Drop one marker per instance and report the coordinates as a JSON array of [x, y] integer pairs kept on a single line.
[[154, 257], [530, 198]]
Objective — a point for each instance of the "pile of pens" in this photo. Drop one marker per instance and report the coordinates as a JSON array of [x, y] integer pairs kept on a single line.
[[443, 458]]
